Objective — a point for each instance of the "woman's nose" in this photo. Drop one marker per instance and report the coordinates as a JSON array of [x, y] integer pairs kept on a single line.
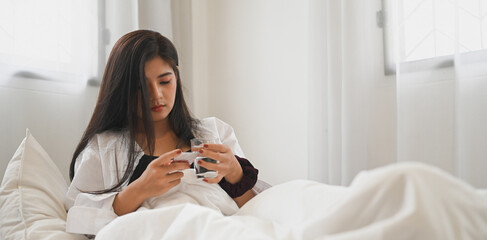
[[155, 92]]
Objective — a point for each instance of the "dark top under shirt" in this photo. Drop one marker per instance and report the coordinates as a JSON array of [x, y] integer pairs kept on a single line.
[[234, 190]]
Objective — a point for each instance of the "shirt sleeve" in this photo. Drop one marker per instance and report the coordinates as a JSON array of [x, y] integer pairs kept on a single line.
[[88, 213], [247, 182], [227, 136]]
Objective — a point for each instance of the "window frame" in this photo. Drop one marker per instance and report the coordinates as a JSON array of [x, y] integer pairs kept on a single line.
[[435, 63]]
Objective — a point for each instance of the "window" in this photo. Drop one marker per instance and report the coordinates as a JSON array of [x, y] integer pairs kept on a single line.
[[55, 40], [427, 31]]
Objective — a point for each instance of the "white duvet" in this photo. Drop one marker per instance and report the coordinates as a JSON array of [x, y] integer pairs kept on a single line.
[[402, 201]]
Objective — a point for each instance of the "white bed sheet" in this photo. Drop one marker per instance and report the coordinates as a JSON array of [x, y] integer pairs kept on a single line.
[[402, 201]]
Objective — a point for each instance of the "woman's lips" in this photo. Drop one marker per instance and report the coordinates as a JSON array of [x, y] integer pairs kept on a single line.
[[157, 108]]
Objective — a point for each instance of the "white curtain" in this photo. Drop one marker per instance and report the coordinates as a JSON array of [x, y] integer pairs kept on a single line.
[[55, 41], [358, 117], [352, 104], [362, 118], [169, 17], [122, 17], [442, 112]]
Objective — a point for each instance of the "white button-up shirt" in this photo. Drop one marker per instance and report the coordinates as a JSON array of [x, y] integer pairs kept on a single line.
[[103, 162]]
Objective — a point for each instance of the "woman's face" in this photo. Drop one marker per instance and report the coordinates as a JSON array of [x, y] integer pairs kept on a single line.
[[161, 85]]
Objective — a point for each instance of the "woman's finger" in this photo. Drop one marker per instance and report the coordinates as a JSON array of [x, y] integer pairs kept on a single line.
[[208, 165], [166, 158], [176, 166], [174, 176], [173, 183], [213, 180], [211, 154], [216, 147]]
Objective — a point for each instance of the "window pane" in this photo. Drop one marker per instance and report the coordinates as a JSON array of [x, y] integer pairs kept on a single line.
[[427, 28], [50, 36]]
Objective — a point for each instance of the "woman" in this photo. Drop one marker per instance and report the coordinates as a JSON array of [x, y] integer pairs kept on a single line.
[[139, 125]]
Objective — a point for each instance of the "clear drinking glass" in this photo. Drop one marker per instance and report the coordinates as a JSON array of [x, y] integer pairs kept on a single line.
[[196, 145]]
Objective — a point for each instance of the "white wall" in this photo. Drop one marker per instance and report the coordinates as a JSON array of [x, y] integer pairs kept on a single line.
[[251, 70], [247, 63], [252, 64], [55, 113]]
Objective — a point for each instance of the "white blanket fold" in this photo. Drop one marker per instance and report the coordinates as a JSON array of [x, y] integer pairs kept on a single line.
[[401, 201]]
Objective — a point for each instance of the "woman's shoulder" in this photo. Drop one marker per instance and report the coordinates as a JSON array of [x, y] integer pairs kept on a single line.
[[107, 144], [213, 123], [215, 127], [108, 138]]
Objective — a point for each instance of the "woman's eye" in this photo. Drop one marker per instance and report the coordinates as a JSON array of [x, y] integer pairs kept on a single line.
[[164, 82]]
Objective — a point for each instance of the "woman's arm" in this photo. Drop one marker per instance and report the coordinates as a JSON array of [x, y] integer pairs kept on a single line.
[[242, 200], [158, 178], [236, 175], [128, 200]]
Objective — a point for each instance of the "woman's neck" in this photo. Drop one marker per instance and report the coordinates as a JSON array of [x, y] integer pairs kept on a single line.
[[165, 139], [161, 129]]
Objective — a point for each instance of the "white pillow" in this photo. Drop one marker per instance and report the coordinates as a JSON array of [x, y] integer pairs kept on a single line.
[[32, 196]]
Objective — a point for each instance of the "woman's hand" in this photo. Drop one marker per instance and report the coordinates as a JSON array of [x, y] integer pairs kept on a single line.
[[227, 166], [161, 175], [158, 178]]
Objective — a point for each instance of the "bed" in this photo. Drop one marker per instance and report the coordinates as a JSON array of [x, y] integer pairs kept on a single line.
[[400, 201]]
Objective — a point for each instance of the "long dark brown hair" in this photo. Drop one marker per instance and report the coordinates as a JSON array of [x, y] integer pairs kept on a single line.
[[117, 105]]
